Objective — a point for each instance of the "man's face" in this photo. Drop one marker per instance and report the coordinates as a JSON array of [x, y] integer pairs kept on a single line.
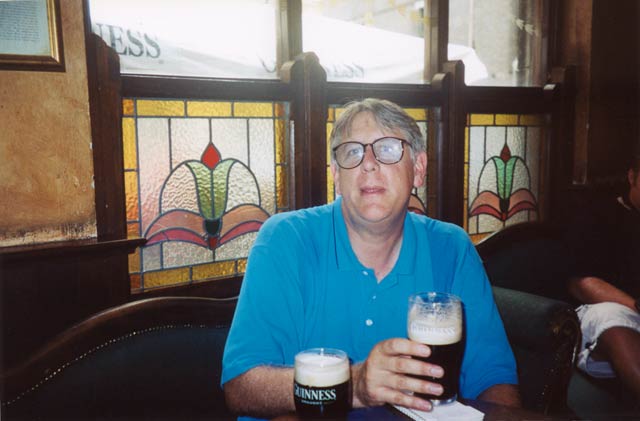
[[375, 193]]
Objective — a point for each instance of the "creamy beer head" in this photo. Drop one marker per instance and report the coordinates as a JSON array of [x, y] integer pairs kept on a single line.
[[434, 328], [321, 368]]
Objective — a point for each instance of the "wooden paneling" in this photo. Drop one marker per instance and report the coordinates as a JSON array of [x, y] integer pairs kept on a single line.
[[309, 111], [602, 40], [47, 288], [105, 106]]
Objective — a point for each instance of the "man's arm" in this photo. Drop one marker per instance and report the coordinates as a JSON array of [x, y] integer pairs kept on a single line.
[[262, 391], [268, 391], [592, 290], [503, 394]]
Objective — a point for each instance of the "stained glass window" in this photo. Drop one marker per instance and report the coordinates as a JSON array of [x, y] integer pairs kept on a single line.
[[503, 170], [424, 118], [200, 179]]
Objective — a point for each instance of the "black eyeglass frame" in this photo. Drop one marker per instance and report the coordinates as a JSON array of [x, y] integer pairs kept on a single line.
[[364, 151]]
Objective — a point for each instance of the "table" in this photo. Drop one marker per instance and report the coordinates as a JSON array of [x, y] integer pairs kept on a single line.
[[492, 412]]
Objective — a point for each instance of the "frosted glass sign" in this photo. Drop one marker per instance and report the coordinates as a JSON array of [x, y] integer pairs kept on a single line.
[[226, 39], [372, 42], [378, 41]]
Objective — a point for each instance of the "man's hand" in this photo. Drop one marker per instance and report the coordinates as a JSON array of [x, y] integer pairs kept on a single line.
[[387, 375]]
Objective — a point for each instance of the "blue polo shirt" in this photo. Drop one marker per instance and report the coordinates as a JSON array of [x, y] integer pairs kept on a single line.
[[304, 287]]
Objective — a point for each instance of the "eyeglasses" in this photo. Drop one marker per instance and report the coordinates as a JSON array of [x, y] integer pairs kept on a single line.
[[386, 150]]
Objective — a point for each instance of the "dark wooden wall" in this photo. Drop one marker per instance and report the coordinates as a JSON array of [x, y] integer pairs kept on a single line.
[[614, 130], [48, 288], [602, 40]]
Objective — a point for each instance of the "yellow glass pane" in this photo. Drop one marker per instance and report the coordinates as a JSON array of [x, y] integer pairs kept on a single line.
[[466, 145], [281, 132], [466, 181], [282, 192], [208, 109], [419, 114], [280, 110], [330, 186], [330, 114], [465, 213], [148, 107], [329, 129], [338, 112], [253, 109], [506, 119], [135, 281], [481, 120], [532, 120], [134, 262], [133, 230], [131, 195], [242, 265], [127, 107], [129, 143], [166, 277], [213, 270], [476, 238]]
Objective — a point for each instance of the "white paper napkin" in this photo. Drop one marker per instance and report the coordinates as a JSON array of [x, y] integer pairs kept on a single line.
[[454, 412]]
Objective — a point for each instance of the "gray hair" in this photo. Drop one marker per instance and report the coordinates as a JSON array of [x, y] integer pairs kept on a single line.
[[387, 114]]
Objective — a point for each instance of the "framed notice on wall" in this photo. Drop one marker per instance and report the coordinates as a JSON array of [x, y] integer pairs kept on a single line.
[[30, 35]]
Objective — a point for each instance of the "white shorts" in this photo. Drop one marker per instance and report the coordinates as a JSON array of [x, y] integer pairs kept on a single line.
[[595, 319]]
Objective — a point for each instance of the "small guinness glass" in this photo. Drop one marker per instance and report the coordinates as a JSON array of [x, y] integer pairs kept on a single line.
[[322, 383]]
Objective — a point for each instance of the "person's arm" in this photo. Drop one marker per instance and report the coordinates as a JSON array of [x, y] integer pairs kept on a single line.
[[592, 290], [503, 394], [262, 391]]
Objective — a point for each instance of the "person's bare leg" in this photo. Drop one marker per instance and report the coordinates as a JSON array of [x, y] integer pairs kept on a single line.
[[622, 347]]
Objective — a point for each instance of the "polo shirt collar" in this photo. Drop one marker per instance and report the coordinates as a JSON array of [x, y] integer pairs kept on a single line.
[[346, 258]]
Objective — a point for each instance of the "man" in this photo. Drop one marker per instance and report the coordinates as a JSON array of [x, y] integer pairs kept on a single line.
[[340, 276], [608, 283]]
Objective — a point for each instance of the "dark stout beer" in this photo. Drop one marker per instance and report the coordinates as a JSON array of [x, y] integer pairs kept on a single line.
[[449, 357], [322, 384], [440, 327]]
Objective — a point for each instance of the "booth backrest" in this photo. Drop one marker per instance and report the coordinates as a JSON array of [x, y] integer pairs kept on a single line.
[[152, 359], [528, 267], [530, 257], [543, 334]]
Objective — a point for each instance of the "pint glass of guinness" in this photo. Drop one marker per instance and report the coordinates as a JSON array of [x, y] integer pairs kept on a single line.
[[322, 383], [435, 319]]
